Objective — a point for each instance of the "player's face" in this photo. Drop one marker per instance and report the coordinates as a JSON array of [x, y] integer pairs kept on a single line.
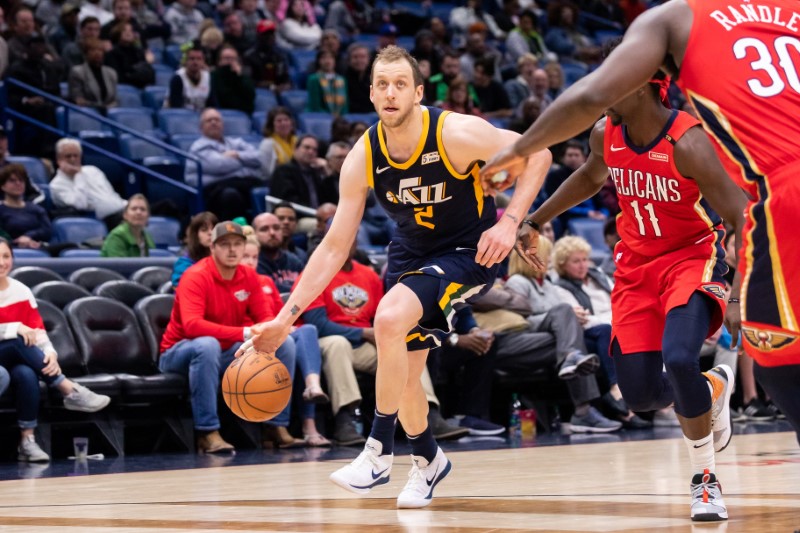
[[393, 92], [624, 108], [228, 250], [577, 265]]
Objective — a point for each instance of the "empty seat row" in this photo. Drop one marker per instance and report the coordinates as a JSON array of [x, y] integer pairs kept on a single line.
[[89, 278]]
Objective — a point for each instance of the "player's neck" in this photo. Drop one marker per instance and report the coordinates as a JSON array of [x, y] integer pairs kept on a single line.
[[644, 127], [402, 140]]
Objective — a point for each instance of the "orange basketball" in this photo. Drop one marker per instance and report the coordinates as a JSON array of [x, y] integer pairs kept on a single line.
[[257, 386]]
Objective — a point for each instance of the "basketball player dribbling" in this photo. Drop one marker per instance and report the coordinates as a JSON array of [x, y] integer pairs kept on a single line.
[[669, 294], [737, 63], [423, 164]]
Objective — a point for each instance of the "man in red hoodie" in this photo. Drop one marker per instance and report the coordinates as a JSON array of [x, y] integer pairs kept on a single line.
[[213, 304]]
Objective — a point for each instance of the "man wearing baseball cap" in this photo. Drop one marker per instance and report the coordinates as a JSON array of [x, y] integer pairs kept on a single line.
[[215, 303], [269, 66]]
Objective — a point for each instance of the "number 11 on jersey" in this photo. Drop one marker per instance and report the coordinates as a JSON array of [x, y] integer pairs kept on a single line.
[[640, 219]]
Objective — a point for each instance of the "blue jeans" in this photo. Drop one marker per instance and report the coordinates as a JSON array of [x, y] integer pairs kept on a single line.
[[309, 358], [5, 379], [25, 364], [204, 362], [598, 340]]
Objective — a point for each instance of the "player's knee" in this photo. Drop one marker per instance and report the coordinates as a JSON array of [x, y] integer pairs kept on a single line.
[[681, 366], [391, 323]]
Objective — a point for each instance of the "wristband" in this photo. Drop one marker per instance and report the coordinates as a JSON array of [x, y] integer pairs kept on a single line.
[[531, 223], [733, 300]]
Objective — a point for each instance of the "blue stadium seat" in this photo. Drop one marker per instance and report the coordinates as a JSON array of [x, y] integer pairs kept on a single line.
[[172, 55], [369, 40], [160, 252], [128, 95], [295, 100], [184, 141], [37, 172], [137, 149], [178, 121], [259, 118], [101, 139], [572, 72], [303, 59], [137, 118], [368, 118], [29, 253], [164, 74], [155, 188], [164, 231], [79, 252], [265, 100], [253, 139], [259, 197], [77, 229], [406, 41], [316, 124], [154, 96], [592, 231], [116, 172], [237, 123], [75, 121]]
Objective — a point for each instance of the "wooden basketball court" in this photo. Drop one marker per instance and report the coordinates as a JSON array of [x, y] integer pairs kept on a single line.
[[606, 486]]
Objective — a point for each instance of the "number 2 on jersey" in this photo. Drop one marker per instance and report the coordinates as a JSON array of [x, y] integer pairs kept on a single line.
[[424, 212], [640, 219]]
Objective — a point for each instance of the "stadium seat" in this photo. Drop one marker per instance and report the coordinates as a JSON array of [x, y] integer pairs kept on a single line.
[[153, 313], [572, 73], [164, 231], [295, 100], [116, 171], [137, 118], [34, 275], [367, 118], [156, 188], [138, 149], [154, 96], [77, 229], [91, 277], [127, 292], [105, 140], [164, 74], [79, 252], [259, 118], [265, 100], [237, 123], [128, 96], [592, 231], [259, 197], [36, 170], [152, 277], [184, 141], [73, 121], [159, 252], [316, 124], [178, 121], [172, 56], [303, 60], [30, 253], [59, 293]]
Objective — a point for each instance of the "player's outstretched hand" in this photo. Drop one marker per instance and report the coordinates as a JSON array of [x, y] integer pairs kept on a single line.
[[527, 245], [496, 242], [501, 171], [267, 337], [733, 321]]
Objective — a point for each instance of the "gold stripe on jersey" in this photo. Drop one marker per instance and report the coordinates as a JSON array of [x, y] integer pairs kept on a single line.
[[708, 271], [785, 310], [368, 153], [423, 338], [426, 120], [473, 171]]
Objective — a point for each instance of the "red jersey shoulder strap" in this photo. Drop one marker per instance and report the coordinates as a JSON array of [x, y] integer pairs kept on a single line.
[[683, 122]]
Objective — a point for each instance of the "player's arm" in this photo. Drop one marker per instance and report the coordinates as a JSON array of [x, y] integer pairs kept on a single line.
[[329, 256], [581, 185], [695, 158], [641, 54], [468, 138]]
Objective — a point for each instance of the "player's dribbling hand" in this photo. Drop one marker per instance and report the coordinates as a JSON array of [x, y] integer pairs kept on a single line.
[[733, 321], [528, 245], [267, 337]]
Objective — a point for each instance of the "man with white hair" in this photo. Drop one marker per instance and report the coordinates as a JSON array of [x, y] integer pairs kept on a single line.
[[84, 187]]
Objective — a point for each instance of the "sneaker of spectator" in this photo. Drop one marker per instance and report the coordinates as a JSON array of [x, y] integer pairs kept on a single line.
[[480, 427]]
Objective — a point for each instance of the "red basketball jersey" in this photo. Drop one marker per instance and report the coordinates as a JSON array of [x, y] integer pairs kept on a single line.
[[662, 211], [741, 72]]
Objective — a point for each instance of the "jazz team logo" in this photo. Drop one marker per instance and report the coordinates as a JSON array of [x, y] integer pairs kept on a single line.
[[411, 191]]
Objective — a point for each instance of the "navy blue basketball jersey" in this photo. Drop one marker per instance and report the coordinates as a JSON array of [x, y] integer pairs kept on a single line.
[[435, 207]]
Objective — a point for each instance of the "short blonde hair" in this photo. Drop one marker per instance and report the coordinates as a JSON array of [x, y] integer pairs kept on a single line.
[[565, 247], [517, 265]]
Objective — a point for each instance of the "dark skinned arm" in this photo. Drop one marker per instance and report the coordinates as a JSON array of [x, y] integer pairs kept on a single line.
[[656, 38], [582, 184], [695, 158]]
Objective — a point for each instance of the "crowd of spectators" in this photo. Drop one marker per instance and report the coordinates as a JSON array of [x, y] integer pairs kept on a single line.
[[503, 60]]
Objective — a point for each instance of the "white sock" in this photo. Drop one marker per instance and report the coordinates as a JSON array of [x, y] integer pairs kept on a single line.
[[701, 453]]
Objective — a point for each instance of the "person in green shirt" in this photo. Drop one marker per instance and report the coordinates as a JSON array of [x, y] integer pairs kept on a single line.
[[130, 239]]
